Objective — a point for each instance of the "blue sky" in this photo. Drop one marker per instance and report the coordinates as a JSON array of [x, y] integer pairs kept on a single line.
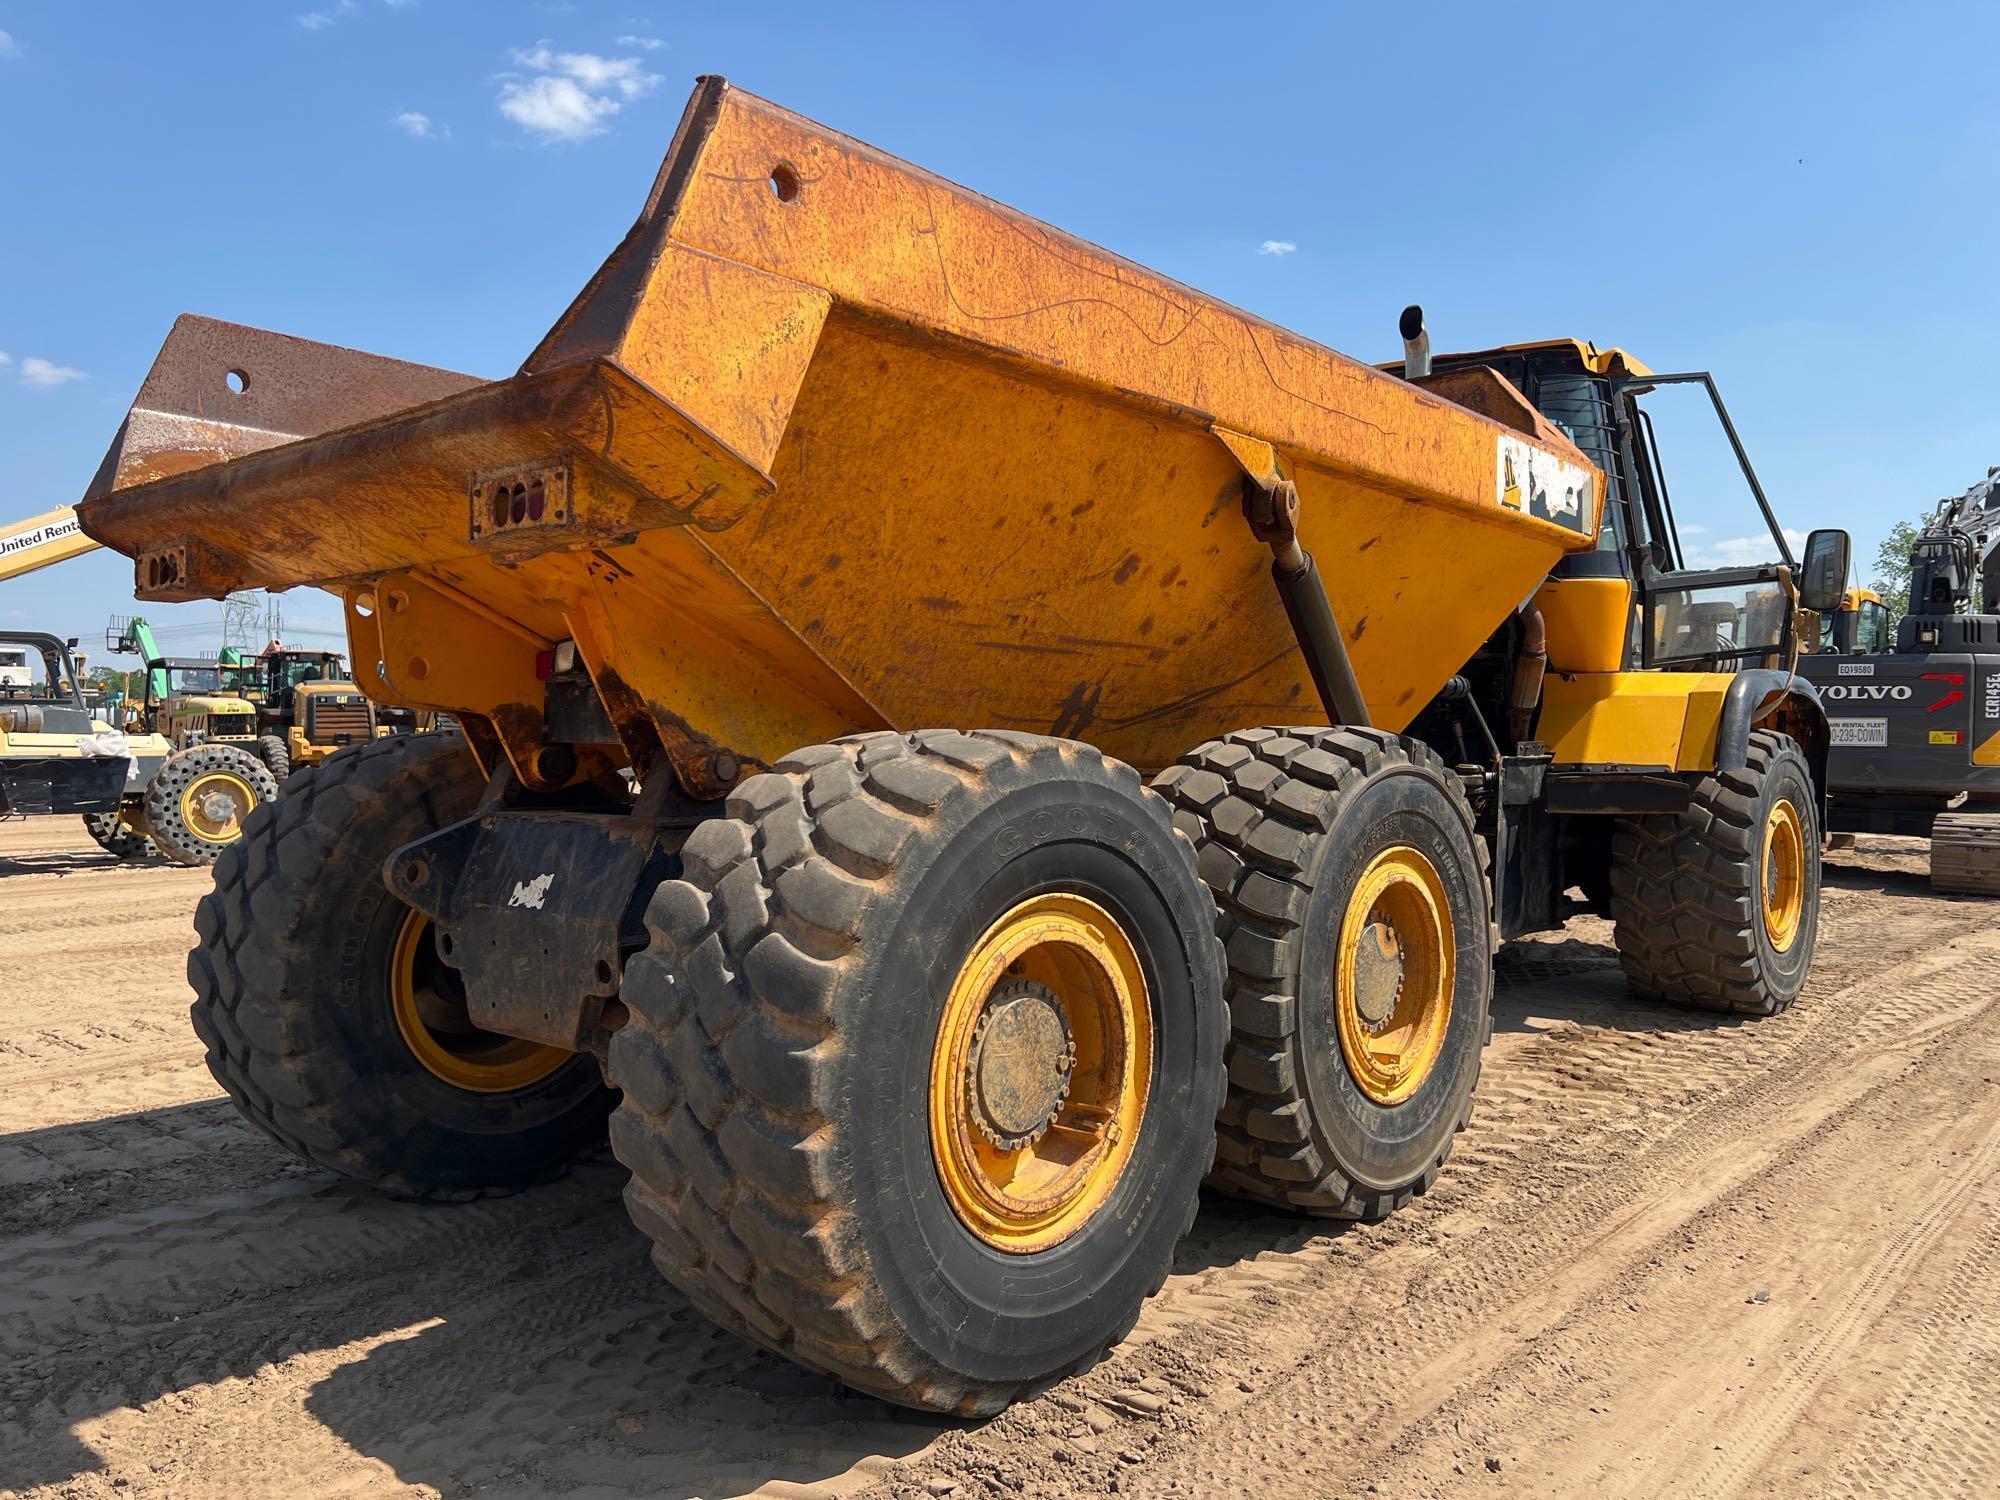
[[1797, 197]]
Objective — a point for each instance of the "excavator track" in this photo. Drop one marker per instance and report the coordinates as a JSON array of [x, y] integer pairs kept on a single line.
[[1965, 853]]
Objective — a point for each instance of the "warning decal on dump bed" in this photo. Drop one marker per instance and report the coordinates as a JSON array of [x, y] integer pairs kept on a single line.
[[1535, 481]]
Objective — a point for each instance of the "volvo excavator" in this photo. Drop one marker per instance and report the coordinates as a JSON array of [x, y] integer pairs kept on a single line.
[[1915, 719]]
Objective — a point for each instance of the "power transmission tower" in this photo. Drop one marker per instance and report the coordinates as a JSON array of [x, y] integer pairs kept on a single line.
[[240, 614]]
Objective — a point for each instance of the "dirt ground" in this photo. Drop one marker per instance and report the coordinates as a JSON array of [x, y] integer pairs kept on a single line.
[[1672, 1254]]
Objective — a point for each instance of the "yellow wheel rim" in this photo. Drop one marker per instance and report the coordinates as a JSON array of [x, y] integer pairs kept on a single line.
[[1784, 867], [214, 805], [431, 1014], [1041, 1071], [1395, 969]]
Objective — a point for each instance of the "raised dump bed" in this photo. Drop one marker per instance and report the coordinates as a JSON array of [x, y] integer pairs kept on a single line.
[[806, 602], [897, 456]]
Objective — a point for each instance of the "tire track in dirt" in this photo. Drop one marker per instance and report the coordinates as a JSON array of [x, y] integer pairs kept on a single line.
[[1776, 1413], [1628, 1378], [251, 1326], [1936, 1430]]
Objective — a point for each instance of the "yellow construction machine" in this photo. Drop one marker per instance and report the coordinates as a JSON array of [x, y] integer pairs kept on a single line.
[[968, 737], [41, 541]]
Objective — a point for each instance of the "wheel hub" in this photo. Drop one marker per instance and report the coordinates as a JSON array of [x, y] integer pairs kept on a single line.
[[214, 805], [1040, 1072], [1378, 973], [1020, 1065], [1394, 967], [430, 1011], [1784, 881]]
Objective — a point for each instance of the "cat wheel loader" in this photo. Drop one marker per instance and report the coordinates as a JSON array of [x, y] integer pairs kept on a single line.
[[962, 739], [307, 708]]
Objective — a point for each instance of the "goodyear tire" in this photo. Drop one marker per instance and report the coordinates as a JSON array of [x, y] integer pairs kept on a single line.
[[328, 1016], [1350, 1071], [115, 837], [277, 757], [900, 970], [199, 800], [1717, 907]]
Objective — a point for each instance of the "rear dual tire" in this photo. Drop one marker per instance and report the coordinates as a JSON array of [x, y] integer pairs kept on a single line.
[[838, 1070], [1347, 1081]]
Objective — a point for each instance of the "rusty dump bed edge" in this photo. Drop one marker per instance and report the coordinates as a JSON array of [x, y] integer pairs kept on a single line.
[[830, 443]]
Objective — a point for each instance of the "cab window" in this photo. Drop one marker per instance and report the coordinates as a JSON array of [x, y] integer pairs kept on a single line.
[[1706, 544], [1872, 630]]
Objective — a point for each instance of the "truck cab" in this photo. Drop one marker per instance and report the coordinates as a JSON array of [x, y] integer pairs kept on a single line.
[[1688, 601], [1860, 626]]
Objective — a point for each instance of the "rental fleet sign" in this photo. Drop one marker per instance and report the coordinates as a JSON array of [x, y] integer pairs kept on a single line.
[[47, 538]]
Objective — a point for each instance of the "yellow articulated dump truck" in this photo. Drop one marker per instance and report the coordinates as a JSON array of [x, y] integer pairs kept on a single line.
[[963, 739]]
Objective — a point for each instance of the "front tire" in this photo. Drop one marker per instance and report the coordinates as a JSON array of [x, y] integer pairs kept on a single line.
[[1717, 906], [330, 1018], [922, 1062], [1357, 915], [200, 800]]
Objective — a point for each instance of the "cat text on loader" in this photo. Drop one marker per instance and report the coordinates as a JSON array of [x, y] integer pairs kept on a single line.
[[968, 737]]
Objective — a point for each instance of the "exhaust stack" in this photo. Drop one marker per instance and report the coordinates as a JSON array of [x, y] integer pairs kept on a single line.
[[1416, 343]]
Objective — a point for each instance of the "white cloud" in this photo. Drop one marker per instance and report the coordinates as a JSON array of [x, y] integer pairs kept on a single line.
[[420, 126], [626, 75], [642, 43], [41, 372], [8, 46], [316, 20], [1276, 247], [555, 107], [572, 93], [6, 358]]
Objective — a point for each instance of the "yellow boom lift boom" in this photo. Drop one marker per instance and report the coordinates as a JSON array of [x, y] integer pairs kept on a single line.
[[41, 541]]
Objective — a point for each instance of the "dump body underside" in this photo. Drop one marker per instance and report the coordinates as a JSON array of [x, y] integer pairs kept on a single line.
[[831, 444]]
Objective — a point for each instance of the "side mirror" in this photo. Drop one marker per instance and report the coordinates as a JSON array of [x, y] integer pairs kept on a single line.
[[1823, 572]]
